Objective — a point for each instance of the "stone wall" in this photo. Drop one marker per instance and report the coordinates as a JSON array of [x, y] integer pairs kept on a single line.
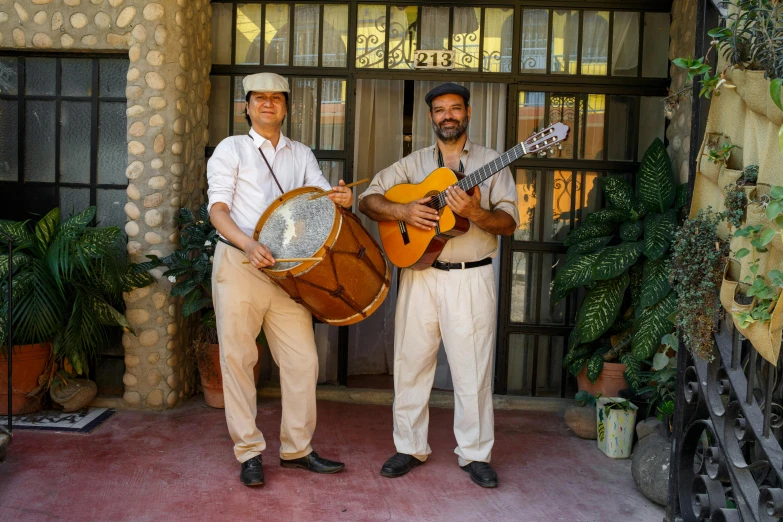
[[168, 44], [682, 44]]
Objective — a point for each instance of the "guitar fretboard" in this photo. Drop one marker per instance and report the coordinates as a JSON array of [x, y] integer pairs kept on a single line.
[[483, 173]]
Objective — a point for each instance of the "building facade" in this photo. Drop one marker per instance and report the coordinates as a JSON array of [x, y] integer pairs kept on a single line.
[[119, 103]]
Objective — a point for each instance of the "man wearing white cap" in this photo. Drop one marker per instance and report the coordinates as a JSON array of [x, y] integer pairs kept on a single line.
[[454, 300], [246, 174]]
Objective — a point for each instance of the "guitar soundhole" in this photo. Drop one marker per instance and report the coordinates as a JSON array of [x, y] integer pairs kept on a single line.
[[404, 231]]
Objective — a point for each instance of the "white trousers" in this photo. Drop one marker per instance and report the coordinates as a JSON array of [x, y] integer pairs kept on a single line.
[[245, 299], [459, 307]]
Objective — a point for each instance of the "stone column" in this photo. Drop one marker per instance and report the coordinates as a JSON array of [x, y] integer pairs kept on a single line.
[[168, 44]]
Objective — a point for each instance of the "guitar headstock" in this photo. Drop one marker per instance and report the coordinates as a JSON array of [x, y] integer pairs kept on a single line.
[[545, 139]]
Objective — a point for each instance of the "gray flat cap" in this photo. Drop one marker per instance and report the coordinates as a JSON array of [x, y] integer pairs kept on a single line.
[[447, 88]]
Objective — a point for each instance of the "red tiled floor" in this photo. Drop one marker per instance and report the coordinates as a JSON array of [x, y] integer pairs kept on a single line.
[[179, 466]]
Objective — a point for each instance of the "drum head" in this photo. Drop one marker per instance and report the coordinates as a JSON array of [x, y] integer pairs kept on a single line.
[[299, 227]]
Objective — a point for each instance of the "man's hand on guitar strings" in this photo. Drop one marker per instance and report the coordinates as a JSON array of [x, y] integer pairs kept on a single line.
[[462, 203], [418, 214]]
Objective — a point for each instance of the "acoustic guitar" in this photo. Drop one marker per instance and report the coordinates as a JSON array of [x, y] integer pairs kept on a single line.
[[411, 247]]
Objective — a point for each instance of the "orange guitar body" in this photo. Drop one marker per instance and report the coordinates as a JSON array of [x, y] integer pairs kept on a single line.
[[410, 247]]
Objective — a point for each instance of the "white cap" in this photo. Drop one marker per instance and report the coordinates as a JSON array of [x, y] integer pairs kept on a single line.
[[265, 82]]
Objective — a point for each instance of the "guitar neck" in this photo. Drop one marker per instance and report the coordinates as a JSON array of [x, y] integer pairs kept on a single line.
[[494, 166]]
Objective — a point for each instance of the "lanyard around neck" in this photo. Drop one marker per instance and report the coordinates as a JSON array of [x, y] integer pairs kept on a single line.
[[268, 165], [441, 164]]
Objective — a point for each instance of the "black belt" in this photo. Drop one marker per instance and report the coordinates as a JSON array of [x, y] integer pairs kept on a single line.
[[440, 265], [229, 243]]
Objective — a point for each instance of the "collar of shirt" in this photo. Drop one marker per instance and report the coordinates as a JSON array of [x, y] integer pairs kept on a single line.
[[465, 150], [259, 141]]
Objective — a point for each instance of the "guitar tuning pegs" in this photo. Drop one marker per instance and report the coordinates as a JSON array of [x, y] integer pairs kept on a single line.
[[559, 146], [551, 150]]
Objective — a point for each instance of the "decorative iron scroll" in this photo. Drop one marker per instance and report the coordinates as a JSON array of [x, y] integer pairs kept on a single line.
[[727, 456]]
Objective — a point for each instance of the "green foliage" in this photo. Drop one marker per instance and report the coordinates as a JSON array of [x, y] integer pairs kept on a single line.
[[735, 203], [752, 39], [190, 267], [721, 155], [662, 378], [750, 175], [609, 264], [584, 398], [697, 262], [68, 280]]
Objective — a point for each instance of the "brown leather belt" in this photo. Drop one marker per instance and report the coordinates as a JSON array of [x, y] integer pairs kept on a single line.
[[440, 265]]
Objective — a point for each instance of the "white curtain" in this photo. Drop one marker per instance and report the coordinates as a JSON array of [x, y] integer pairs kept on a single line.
[[378, 131], [487, 127], [625, 44], [488, 121]]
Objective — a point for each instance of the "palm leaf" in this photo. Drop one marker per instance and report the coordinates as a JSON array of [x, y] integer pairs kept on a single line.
[[659, 233], [655, 180], [618, 192], [99, 242], [652, 324], [19, 260], [615, 260], [576, 272], [600, 307], [655, 282]]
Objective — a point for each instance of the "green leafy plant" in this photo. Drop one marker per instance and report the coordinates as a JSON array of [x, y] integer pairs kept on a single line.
[[68, 283], [617, 404], [751, 39], [619, 255], [722, 154], [697, 263], [584, 398], [735, 203], [764, 288], [190, 267], [662, 378], [750, 175]]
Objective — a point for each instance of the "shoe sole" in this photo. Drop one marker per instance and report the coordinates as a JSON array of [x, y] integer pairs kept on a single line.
[[395, 475], [299, 466], [487, 485], [253, 485]]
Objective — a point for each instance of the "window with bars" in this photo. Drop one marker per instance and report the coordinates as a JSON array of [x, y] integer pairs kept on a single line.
[[71, 148]]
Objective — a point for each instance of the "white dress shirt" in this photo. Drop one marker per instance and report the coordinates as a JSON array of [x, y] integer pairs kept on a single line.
[[239, 177]]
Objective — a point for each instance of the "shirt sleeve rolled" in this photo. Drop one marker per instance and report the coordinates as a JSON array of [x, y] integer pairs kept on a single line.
[[387, 178], [222, 172], [503, 194]]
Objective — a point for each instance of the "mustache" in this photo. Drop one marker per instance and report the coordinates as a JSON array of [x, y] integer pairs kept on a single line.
[[449, 121]]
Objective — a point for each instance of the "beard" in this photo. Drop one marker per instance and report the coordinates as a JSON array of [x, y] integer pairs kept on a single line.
[[450, 134]]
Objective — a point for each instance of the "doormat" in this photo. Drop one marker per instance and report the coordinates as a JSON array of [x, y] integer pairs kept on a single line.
[[82, 421]]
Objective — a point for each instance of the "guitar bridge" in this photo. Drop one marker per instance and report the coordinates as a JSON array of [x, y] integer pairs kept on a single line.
[[404, 232]]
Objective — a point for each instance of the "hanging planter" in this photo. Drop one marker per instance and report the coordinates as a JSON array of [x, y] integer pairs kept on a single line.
[[615, 418]]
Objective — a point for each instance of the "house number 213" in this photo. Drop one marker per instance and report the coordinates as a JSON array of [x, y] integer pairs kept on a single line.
[[434, 60]]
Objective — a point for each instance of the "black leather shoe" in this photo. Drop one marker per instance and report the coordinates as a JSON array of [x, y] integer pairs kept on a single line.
[[399, 464], [482, 474], [314, 463], [252, 473]]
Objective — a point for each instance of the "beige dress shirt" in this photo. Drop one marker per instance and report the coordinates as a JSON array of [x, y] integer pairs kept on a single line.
[[497, 193], [238, 176]]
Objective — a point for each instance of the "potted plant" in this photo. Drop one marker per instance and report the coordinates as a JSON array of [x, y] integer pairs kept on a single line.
[[190, 270], [615, 419], [68, 282], [735, 202], [698, 260], [620, 255]]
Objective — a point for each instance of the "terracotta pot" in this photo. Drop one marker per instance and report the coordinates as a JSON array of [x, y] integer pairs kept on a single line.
[[211, 376], [609, 382], [29, 362]]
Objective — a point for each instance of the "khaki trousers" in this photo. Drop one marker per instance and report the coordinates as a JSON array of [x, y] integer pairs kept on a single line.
[[245, 300], [459, 307]]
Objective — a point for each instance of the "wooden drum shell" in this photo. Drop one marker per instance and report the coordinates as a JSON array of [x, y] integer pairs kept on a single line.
[[349, 283]]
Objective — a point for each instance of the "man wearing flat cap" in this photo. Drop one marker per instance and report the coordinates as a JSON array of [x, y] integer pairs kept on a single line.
[[246, 174], [454, 300]]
